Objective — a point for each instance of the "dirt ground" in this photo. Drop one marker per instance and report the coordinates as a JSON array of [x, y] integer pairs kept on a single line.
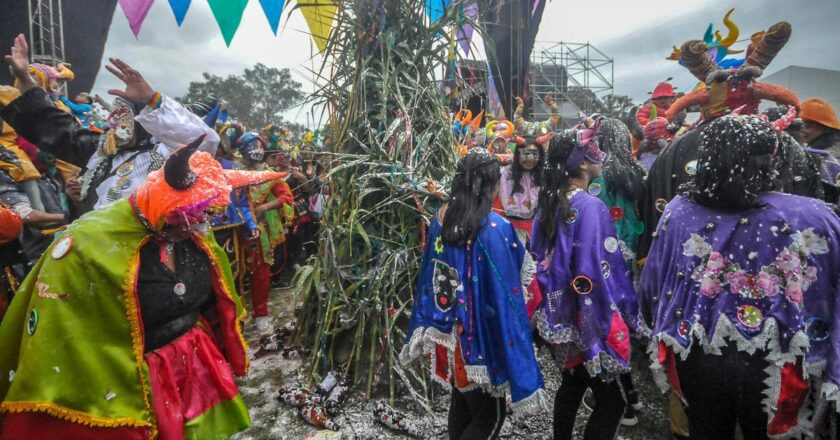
[[272, 420]]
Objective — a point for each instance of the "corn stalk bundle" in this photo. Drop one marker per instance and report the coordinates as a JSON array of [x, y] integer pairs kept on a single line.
[[391, 131]]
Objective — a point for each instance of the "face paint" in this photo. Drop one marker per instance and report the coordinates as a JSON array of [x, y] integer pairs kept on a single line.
[[529, 157], [123, 132]]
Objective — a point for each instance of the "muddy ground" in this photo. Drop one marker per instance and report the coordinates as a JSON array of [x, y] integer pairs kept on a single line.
[[272, 420]]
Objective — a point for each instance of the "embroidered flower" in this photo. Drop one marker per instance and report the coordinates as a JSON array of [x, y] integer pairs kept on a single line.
[[810, 243], [710, 286], [767, 283], [787, 261], [793, 291], [716, 263], [439, 245], [696, 246]]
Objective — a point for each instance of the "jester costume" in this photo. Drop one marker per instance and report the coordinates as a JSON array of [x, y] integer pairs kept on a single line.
[[103, 340], [469, 315], [764, 279]]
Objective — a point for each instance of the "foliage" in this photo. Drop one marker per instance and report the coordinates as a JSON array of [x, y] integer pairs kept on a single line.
[[254, 98], [381, 64], [618, 106]]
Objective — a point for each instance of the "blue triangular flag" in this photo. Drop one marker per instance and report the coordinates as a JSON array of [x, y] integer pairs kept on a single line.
[[435, 9], [179, 8], [273, 9]]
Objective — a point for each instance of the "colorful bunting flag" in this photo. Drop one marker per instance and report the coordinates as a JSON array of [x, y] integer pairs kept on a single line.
[[228, 14], [273, 9], [179, 8], [435, 9], [494, 104], [319, 15], [135, 11], [465, 31]]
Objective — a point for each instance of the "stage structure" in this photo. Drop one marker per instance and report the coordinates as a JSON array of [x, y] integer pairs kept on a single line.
[[46, 30], [577, 75]]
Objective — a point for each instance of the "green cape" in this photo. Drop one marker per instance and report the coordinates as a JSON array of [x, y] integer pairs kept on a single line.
[[72, 339]]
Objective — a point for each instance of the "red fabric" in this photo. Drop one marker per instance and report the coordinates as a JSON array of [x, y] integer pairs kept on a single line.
[[643, 115], [40, 426], [533, 298], [283, 193], [189, 377], [743, 94], [619, 337], [666, 357], [441, 363], [792, 396], [10, 225], [260, 278]]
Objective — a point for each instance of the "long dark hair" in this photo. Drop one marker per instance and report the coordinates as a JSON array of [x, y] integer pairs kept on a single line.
[[472, 193], [623, 175], [516, 169], [553, 204], [735, 163]]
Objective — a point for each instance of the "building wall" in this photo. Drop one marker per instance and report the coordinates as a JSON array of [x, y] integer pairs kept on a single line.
[[808, 82]]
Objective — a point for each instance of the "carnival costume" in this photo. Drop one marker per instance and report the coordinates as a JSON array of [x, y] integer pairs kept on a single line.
[[102, 342], [120, 160], [589, 307], [469, 315], [762, 278]]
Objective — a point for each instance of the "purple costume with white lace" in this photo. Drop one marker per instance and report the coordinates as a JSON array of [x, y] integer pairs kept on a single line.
[[764, 278], [589, 304]]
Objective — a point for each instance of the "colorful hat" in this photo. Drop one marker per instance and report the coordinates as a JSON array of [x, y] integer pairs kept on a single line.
[[586, 144], [819, 111], [119, 126]]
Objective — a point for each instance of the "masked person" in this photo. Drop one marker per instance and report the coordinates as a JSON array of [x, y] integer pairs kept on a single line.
[[301, 241], [821, 135], [519, 190], [589, 304], [741, 286], [267, 202], [143, 128], [129, 326], [469, 311]]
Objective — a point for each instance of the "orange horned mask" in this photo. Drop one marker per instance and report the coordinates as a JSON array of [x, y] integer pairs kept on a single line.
[[190, 183]]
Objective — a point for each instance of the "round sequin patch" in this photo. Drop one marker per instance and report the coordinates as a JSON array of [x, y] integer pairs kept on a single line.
[[582, 285], [684, 329], [611, 244], [180, 289], [32, 323], [817, 329], [61, 248], [125, 169], [594, 189], [572, 217], [605, 269], [616, 213], [660, 205], [749, 316], [691, 167]]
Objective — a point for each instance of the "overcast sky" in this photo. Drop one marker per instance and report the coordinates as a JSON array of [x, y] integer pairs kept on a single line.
[[638, 35]]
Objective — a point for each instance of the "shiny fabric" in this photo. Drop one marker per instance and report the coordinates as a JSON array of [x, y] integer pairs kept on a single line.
[[189, 376], [522, 204], [479, 287], [589, 306]]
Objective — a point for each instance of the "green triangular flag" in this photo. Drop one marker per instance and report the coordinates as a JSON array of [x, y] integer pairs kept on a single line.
[[228, 14]]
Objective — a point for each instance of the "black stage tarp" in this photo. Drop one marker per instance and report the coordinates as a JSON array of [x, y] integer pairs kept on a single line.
[[86, 24]]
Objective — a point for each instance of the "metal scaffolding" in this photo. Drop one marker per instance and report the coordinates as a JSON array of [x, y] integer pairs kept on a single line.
[[46, 32], [577, 75]]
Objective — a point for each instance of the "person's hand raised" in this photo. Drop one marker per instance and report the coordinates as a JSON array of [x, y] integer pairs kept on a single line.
[[18, 61], [136, 87]]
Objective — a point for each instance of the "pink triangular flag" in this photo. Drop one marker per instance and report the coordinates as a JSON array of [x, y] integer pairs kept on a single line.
[[135, 11]]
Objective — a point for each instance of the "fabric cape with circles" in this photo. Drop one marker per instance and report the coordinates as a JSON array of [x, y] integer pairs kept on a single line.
[[72, 342], [764, 279], [482, 290], [589, 305]]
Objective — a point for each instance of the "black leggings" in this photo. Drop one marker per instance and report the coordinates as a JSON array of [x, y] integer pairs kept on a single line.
[[609, 406], [722, 391], [475, 415]]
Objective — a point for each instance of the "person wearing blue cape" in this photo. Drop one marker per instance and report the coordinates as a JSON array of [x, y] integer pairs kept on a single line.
[[469, 313]]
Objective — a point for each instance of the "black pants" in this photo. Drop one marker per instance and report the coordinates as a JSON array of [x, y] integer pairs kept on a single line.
[[475, 415], [722, 391], [609, 406]]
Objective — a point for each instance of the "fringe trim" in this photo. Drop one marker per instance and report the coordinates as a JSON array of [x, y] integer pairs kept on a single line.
[[537, 402], [529, 269], [830, 392], [477, 374], [74, 416], [133, 314]]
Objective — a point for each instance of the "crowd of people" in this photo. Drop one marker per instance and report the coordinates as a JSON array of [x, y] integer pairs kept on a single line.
[[712, 239]]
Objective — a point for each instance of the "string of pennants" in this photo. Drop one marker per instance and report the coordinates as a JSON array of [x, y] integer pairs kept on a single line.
[[319, 16]]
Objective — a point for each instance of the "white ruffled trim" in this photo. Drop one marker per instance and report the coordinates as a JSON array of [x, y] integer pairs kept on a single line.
[[423, 341], [768, 339], [529, 269]]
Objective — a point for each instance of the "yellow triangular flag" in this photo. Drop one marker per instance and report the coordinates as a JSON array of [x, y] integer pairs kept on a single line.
[[319, 15]]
